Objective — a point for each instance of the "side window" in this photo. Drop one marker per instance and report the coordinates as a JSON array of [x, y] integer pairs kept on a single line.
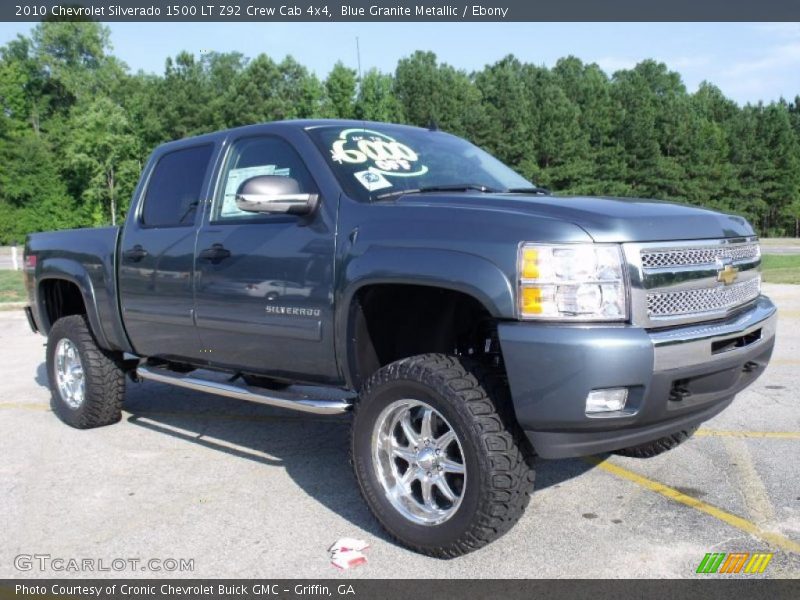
[[173, 191], [252, 157]]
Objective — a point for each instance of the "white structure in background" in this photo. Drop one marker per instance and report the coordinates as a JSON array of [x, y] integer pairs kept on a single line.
[[15, 258]]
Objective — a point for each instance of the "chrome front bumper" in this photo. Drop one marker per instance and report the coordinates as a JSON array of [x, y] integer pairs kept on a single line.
[[709, 343]]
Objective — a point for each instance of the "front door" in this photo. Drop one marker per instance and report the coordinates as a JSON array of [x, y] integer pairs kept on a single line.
[[264, 282]]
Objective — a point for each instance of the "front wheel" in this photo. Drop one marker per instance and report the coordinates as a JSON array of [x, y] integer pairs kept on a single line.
[[438, 456]]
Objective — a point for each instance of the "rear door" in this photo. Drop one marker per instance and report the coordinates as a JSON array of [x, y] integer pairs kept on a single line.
[[156, 263], [264, 287]]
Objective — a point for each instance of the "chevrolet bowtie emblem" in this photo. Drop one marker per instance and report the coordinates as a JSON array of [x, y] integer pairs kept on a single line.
[[728, 275]]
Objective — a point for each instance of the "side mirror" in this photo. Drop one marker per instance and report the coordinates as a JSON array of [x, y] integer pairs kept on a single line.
[[274, 194]]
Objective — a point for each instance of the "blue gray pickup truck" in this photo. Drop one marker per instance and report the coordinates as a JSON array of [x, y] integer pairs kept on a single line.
[[467, 319]]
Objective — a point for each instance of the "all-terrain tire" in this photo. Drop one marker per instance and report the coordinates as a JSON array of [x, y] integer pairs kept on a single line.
[[497, 456], [104, 379], [659, 446]]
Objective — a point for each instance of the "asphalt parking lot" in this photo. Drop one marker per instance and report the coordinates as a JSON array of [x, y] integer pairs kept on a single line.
[[249, 491]]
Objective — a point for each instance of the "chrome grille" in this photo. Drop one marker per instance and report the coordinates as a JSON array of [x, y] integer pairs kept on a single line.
[[702, 300], [685, 257], [681, 282]]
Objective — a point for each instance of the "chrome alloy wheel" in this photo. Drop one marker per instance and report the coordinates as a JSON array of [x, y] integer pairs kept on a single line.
[[419, 462], [69, 373]]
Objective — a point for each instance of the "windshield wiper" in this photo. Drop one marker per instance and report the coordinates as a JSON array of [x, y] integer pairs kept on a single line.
[[534, 189], [455, 187], [396, 193], [458, 187]]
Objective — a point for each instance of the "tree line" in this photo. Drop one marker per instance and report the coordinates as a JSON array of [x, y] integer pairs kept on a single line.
[[76, 125]]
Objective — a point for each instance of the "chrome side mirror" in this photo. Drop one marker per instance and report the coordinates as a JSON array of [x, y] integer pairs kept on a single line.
[[274, 194]]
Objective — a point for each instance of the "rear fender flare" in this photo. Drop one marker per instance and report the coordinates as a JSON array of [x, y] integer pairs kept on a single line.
[[70, 270]]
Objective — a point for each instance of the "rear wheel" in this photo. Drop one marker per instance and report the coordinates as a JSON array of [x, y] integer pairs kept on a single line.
[[86, 382], [438, 456], [659, 446]]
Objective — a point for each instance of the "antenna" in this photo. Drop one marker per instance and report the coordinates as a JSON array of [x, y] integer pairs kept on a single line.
[[358, 58]]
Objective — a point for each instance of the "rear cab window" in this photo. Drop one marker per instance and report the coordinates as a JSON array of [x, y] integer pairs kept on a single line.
[[173, 192]]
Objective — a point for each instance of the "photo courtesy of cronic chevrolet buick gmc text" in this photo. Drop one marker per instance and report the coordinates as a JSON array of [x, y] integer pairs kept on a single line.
[[468, 319]]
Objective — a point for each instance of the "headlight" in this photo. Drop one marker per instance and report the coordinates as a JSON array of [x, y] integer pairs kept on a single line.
[[581, 282]]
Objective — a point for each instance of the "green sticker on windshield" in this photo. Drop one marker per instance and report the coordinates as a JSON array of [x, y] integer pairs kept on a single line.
[[378, 152]]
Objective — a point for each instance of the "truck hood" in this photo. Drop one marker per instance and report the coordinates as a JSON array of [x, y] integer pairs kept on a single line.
[[604, 219]]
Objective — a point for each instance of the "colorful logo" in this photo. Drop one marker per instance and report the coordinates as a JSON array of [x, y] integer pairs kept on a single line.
[[736, 562]]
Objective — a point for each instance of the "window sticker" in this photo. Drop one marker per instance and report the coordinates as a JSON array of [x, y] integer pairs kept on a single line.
[[235, 178], [372, 180], [378, 152]]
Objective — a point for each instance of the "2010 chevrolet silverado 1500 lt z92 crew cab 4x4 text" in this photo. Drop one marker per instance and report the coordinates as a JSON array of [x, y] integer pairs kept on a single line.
[[467, 318]]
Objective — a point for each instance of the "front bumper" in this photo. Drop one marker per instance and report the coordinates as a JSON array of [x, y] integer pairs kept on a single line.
[[676, 378]]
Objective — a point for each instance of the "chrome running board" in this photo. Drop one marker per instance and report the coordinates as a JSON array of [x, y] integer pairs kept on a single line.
[[291, 401]]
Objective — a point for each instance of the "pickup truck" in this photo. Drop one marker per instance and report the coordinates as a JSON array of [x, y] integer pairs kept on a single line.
[[466, 318]]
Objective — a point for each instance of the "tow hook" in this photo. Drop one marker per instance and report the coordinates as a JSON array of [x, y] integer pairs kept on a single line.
[[750, 366], [679, 391]]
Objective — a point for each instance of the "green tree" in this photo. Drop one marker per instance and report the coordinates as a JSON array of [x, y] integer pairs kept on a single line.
[[340, 87], [33, 196], [507, 103], [561, 147], [589, 87], [76, 126], [103, 152], [710, 173], [376, 100], [270, 91], [437, 94], [76, 55], [777, 162]]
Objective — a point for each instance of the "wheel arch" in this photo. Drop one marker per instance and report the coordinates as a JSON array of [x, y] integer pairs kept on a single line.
[[464, 277], [75, 276]]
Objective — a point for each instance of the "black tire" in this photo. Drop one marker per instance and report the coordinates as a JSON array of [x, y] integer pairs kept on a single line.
[[659, 446], [497, 457], [104, 379]]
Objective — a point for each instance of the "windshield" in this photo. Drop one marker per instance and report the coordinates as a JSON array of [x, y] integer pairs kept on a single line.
[[384, 160]]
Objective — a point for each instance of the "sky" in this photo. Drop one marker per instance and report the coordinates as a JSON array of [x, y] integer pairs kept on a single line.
[[747, 61]]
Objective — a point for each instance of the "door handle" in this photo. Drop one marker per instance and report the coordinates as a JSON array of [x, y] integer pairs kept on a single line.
[[216, 253], [135, 254]]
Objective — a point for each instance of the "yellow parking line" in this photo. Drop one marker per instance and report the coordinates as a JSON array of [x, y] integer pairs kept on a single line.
[[774, 539], [756, 498], [782, 435]]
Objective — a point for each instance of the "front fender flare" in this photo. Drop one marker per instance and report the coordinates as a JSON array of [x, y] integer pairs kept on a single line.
[[467, 273]]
